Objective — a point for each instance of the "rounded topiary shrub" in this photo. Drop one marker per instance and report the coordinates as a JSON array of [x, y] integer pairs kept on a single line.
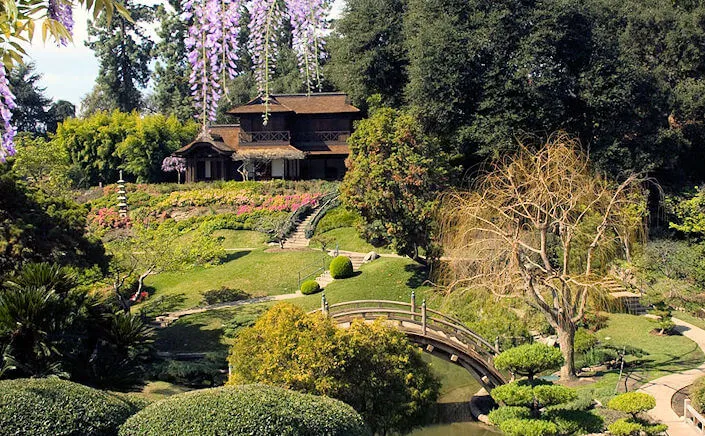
[[528, 427], [60, 407], [341, 267], [246, 410], [310, 287]]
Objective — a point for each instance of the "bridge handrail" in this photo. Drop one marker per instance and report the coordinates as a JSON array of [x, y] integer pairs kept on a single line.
[[445, 320], [431, 322]]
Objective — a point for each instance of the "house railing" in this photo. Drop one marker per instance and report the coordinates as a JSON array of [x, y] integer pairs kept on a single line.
[[693, 418], [267, 136], [323, 136]]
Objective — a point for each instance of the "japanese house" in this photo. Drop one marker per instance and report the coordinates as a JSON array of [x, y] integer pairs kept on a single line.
[[304, 138]]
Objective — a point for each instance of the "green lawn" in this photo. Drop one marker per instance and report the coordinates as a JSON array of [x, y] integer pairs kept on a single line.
[[256, 272], [206, 331], [384, 279], [663, 354], [347, 239], [687, 317], [241, 238]]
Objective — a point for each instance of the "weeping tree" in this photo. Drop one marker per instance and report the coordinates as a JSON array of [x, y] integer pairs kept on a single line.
[[544, 226]]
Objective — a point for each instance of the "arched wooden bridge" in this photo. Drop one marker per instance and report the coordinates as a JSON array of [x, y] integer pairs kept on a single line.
[[434, 331]]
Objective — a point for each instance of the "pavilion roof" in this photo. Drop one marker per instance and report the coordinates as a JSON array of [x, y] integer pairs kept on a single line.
[[316, 103]]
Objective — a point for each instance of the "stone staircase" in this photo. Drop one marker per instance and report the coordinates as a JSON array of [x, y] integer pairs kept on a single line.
[[298, 240], [324, 279], [629, 301], [355, 258]]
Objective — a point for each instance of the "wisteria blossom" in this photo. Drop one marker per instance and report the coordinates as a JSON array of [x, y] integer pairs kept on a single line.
[[7, 103], [173, 163], [308, 21], [213, 39], [61, 11]]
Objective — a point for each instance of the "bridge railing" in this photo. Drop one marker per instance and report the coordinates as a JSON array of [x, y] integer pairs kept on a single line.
[[427, 319]]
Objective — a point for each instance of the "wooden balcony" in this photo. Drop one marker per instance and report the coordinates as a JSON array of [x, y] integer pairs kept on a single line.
[[330, 136], [273, 137]]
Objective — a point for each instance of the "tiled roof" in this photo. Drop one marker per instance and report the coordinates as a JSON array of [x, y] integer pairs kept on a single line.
[[318, 103], [215, 142], [329, 150]]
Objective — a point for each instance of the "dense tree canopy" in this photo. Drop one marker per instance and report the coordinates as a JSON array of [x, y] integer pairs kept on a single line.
[[103, 144], [626, 78], [373, 368], [367, 53], [394, 174]]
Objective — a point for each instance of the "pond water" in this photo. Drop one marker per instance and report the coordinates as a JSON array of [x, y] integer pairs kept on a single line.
[[457, 387], [456, 429]]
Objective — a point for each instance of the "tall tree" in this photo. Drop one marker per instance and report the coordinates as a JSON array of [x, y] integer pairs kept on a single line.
[[367, 52], [58, 112], [172, 92], [394, 175], [125, 51], [31, 114]]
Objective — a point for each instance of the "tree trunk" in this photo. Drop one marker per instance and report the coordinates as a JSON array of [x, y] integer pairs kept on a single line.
[[566, 340]]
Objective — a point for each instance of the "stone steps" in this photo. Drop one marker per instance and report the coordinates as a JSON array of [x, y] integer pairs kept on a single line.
[[298, 239]]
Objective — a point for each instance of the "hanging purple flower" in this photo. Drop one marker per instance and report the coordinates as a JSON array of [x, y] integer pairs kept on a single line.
[[173, 163], [61, 11], [309, 23], [7, 103], [212, 44]]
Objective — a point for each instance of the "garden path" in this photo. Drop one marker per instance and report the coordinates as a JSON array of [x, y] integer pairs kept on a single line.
[[665, 387]]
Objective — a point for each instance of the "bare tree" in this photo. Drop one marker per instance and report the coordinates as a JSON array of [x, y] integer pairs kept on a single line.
[[543, 226]]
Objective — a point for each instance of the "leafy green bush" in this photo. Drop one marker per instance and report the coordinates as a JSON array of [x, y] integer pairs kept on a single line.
[[246, 410], [59, 407], [504, 413], [550, 395], [310, 287], [337, 218], [632, 403], [635, 427], [623, 427], [341, 267], [513, 394], [697, 394], [584, 340], [197, 373], [223, 295], [529, 360], [528, 427], [594, 321], [571, 422]]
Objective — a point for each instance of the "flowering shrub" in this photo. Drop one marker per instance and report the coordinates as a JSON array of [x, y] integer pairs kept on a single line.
[[242, 201], [108, 218]]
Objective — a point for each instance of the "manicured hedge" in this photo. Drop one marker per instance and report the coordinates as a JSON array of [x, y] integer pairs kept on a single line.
[[341, 267], [246, 410], [310, 287], [58, 407]]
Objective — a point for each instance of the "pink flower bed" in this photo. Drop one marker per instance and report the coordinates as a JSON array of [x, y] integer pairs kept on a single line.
[[108, 218]]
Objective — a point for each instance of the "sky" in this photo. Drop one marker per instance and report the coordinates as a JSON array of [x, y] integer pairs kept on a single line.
[[68, 73]]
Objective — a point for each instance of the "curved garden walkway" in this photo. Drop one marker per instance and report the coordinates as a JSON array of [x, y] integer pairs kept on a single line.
[[665, 387]]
